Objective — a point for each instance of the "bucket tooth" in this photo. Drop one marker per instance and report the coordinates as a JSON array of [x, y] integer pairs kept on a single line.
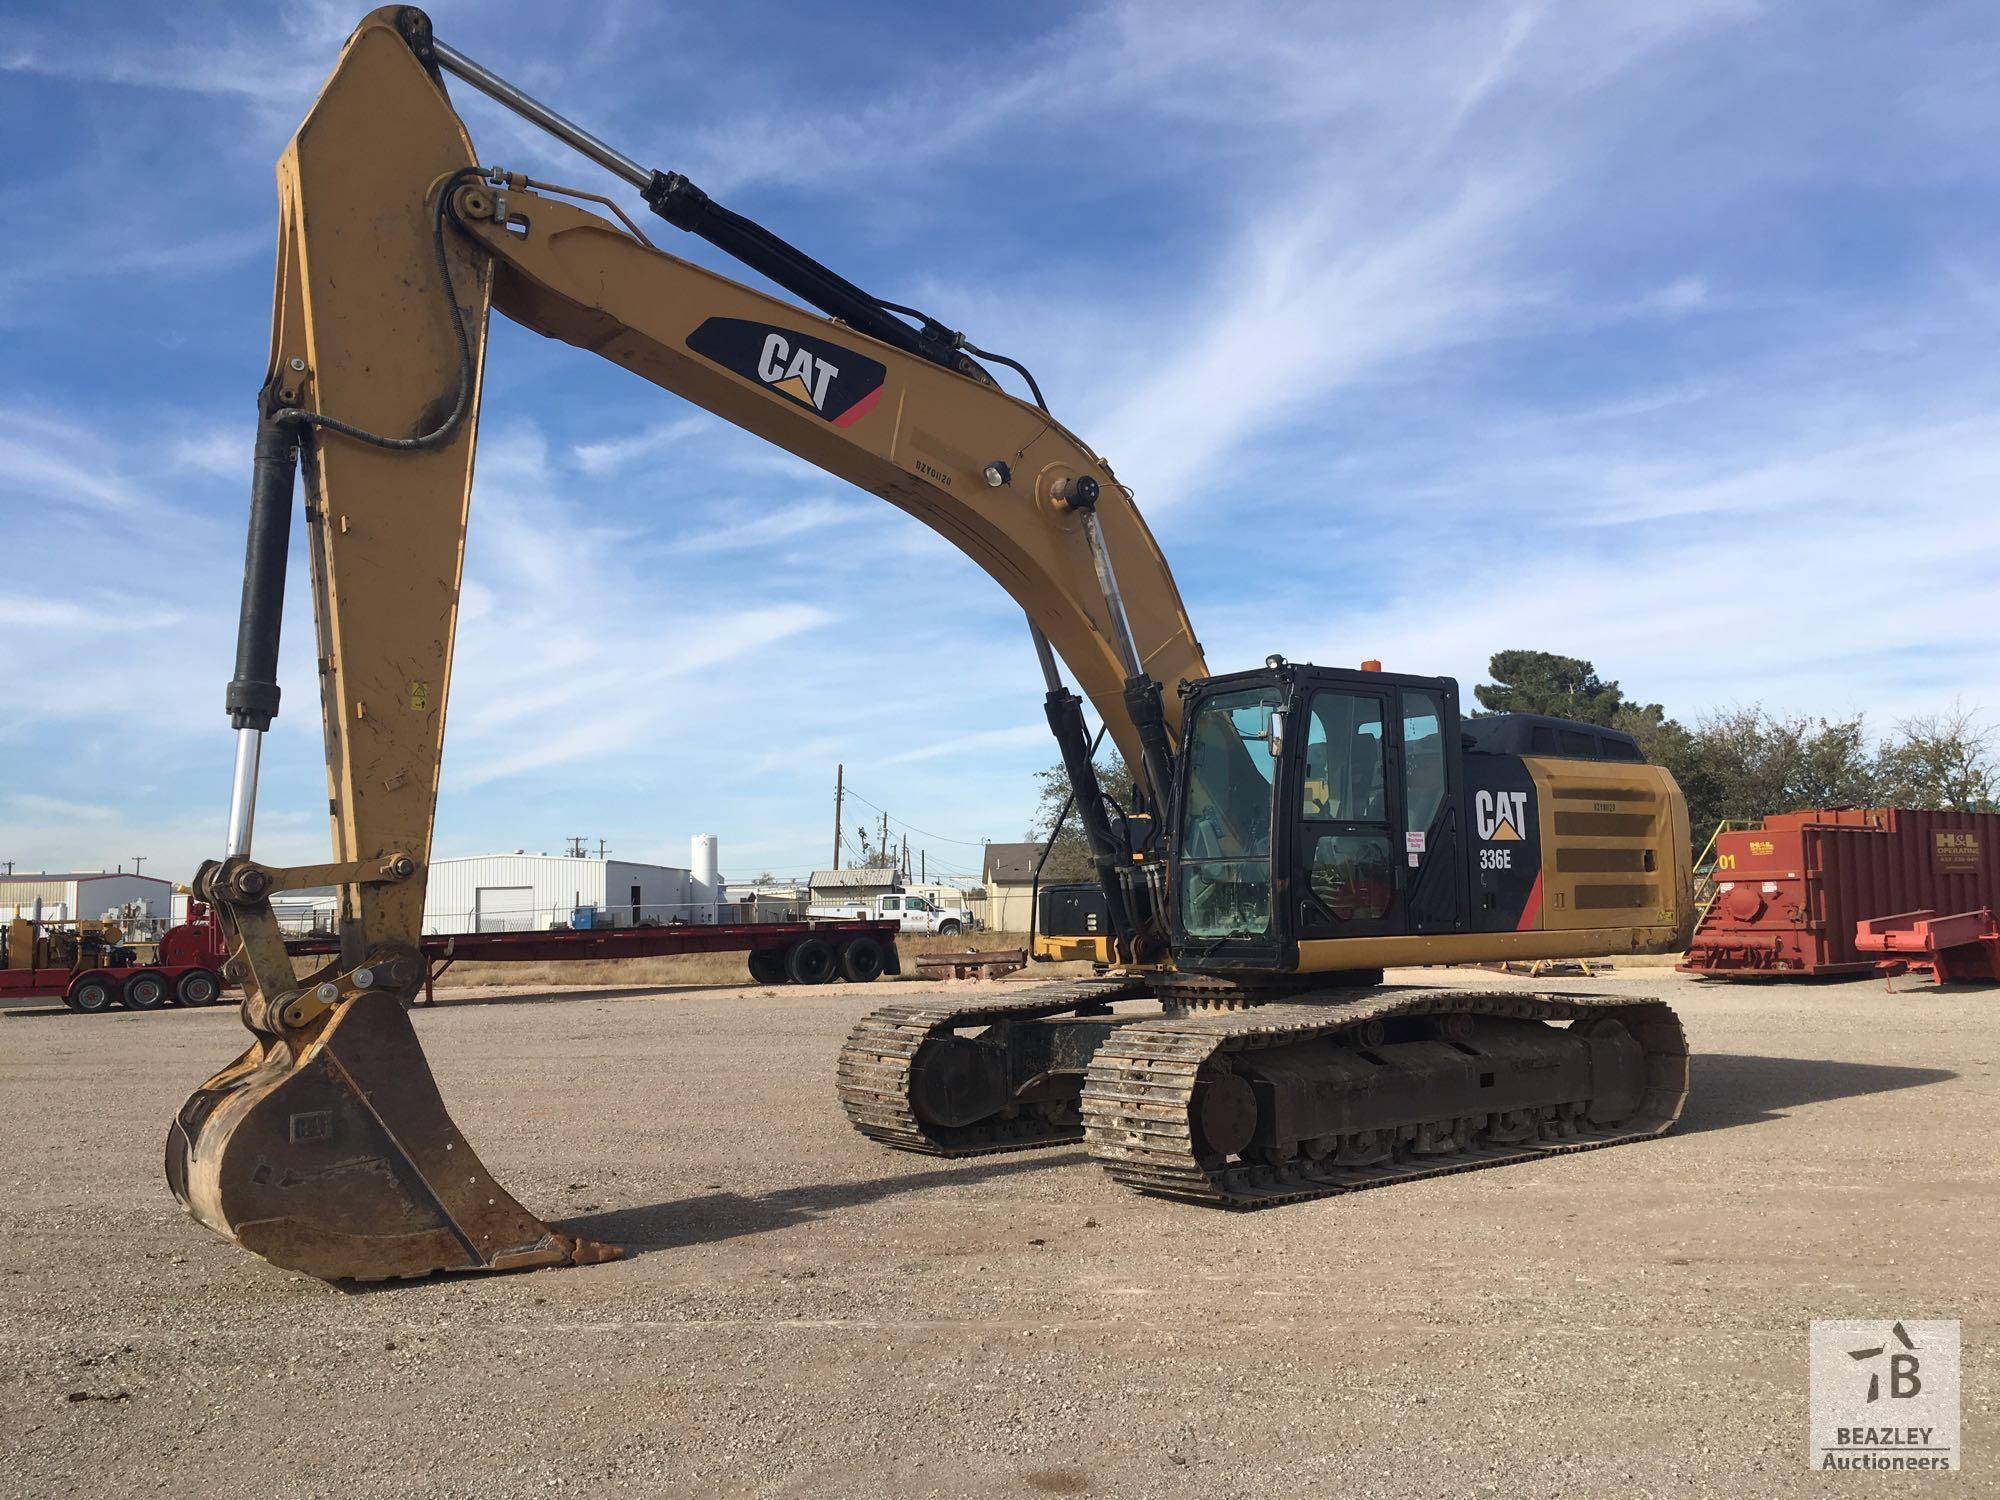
[[341, 1161]]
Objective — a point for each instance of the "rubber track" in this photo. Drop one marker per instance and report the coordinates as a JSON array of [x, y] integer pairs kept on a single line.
[[1140, 1083], [873, 1078]]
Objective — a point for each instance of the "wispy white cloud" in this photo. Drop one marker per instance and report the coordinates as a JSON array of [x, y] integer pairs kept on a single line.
[[94, 610], [35, 805], [768, 526], [538, 678], [967, 744], [61, 463], [273, 68], [611, 455]]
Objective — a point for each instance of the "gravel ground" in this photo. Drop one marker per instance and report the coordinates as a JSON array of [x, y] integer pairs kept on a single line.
[[804, 1313]]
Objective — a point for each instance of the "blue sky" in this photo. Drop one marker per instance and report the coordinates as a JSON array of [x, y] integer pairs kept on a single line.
[[1658, 334]]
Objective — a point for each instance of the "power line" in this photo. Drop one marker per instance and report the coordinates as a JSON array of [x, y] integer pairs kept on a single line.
[[941, 837]]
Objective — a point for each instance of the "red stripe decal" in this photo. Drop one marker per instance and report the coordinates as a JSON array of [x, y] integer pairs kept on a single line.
[[1534, 907], [859, 409]]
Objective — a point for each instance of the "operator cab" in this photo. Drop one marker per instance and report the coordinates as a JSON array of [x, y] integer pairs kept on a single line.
[[1319, 803]]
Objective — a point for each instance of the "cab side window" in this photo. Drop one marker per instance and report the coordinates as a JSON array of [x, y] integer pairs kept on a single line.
[[1350, 870], [1345, 764], [1423, 758]]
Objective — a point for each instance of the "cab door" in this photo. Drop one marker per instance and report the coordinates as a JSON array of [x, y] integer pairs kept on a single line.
[[1376, 847], [1432, 854], [1347, 841]]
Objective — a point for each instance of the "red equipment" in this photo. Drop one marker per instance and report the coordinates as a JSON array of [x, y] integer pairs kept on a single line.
[[1964, 947], [188, 972], [1791, 893]]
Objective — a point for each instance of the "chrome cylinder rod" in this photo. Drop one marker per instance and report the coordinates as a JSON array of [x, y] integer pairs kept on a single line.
[[1045, 654], [501, 91], [243, 790], [1121, 625]]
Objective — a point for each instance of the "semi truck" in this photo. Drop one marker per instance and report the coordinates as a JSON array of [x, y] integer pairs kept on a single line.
[[89, 968]]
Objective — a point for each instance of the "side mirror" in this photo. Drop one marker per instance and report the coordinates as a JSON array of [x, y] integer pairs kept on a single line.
[[1277, 733]]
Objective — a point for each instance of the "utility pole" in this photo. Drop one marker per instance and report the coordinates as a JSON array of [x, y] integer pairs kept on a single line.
[[839, 790], [137, 860], [602, 850], [576, 849], [924, 864], [906, 856]]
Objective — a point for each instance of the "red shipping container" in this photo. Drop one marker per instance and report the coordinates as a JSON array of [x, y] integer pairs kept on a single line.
[[1788, 894]]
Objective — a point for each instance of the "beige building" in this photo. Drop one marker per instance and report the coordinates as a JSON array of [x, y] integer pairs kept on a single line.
[[855, 883], [1009, 873]]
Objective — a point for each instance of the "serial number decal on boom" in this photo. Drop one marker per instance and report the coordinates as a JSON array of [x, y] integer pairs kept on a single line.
[[824, 378]]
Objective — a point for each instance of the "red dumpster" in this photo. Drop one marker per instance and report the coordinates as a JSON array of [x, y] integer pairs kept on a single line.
[[1790, 894]]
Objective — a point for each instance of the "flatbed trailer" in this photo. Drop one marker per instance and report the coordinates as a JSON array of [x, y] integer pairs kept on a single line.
[[191, 968], [811, 952]]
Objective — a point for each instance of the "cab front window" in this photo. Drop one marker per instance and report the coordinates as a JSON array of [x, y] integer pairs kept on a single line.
[[1225, 877]]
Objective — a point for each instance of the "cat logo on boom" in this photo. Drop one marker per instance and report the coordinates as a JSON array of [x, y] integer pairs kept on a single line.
[[797, 374], [839, 384], [1500, 815]]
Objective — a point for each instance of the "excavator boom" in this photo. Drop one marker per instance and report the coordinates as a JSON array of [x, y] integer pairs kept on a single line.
[[325, 1146]]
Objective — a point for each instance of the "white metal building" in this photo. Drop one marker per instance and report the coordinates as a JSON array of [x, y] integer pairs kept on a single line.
[[855, 883], [522, 892], [84, 895]]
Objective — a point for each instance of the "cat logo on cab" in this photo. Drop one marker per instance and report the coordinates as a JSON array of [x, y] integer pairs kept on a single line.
[[1500, 815]]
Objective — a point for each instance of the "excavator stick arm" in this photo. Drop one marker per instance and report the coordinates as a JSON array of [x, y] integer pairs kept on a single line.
[[326, 1147]]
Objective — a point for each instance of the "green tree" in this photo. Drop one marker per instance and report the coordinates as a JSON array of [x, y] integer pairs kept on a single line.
[[1070, 859], [1746, 763], [1540, 682], [1941, 761]]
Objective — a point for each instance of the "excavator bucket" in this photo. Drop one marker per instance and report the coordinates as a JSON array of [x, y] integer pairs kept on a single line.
[[341, 1161]]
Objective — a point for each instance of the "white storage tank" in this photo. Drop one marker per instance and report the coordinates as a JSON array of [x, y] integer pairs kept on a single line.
[[704, 852]]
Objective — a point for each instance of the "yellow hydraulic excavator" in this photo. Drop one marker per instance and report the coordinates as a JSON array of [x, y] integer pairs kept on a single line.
[[1293, 828]]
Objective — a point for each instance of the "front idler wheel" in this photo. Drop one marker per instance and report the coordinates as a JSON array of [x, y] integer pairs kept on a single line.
[[1223, 1114]]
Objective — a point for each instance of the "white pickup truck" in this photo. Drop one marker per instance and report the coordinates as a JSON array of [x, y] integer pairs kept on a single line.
[[911, 913]]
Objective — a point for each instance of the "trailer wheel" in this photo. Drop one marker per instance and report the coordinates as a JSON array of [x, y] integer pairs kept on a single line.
[[810, 961], [767, 965], [860, 960], [91, 995], [145, 991], [198, 987]]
